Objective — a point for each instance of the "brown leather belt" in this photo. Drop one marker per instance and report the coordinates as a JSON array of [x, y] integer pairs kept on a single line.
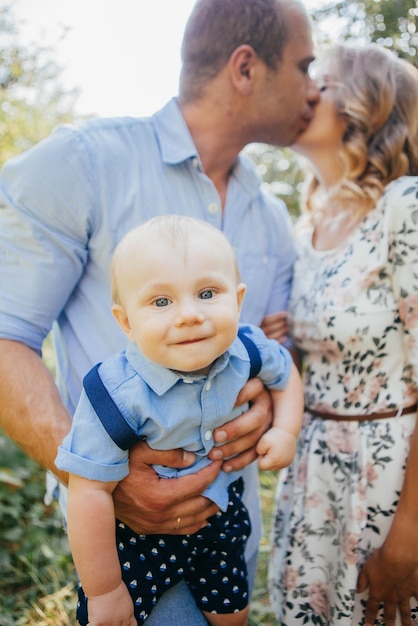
[[362, 418]]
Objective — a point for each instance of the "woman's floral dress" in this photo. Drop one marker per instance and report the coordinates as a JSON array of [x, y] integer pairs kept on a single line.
[[354, 314]]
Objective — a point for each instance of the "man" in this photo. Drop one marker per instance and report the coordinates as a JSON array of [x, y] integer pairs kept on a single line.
[[68, 201]]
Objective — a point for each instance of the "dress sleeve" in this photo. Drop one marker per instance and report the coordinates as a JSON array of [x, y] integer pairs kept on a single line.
[[402, 211], [46, 204]]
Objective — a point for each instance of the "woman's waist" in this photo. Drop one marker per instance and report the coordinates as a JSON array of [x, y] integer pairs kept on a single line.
[[328, 413]]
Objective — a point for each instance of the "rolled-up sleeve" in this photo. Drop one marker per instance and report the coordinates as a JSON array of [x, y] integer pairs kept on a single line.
[[88, 450], [44, 240]]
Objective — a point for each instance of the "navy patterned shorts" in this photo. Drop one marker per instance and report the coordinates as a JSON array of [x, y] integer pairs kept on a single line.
[[211, 562]]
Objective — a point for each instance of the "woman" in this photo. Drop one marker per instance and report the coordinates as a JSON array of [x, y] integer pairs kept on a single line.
[[348, 504]]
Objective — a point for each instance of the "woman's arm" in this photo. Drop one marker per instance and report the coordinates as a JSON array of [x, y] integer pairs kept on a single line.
[[391, 572]]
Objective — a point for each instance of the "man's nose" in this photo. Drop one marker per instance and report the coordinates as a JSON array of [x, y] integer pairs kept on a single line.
[[313, 92]]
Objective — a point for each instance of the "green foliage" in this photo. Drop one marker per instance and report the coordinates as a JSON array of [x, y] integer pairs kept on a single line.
[[390, 23], [281, 173], [34, 557], [32, 102]]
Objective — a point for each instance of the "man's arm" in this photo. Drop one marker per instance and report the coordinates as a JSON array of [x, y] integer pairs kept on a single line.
[[31, 411]]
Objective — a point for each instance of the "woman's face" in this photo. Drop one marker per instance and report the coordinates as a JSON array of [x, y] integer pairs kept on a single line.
[[327, 127]]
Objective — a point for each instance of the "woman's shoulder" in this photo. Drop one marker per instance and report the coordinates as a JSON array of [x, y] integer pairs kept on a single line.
[[404, 190], [400, 205]]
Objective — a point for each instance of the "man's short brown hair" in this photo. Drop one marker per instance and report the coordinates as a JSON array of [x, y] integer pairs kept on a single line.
[[217, 27]]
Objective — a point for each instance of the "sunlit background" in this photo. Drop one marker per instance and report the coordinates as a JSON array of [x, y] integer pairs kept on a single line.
[[123, 55]]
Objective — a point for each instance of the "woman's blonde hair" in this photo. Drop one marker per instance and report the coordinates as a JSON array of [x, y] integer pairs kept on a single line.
[[377, 97]]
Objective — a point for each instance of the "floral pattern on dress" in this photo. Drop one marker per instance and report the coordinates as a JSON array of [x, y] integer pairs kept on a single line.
[[354, 314]]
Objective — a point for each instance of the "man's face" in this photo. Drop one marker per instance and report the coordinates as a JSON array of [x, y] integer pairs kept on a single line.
[[287, 95]]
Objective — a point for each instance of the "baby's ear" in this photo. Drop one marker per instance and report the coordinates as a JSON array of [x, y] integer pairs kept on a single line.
[[120, 316], [241, 289]]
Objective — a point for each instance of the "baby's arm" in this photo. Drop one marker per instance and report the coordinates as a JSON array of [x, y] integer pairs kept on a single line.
[[91, 533], [277, 446]]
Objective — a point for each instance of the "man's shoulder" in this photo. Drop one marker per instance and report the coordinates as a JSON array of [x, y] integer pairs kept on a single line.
[[121, 124], [95, 127]]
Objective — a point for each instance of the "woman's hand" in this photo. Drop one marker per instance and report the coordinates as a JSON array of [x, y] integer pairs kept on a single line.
[[275, 326], [391, 576], [149, 504], [391, 572]]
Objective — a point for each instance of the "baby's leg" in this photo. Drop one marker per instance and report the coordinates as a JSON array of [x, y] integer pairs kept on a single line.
[[228, 619], [217, 571]]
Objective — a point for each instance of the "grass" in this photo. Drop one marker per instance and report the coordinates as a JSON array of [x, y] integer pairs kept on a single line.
[[37, 579]]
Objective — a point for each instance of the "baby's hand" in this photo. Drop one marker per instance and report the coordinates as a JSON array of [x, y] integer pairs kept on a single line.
[[114, 608], [276, 449]]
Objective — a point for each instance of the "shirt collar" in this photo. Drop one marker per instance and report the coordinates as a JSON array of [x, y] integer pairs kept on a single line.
[[177, 145], [160, 379], [173, 134]]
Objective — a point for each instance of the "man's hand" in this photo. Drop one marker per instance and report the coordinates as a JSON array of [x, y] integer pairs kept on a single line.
[[150, 504], [239, 437]]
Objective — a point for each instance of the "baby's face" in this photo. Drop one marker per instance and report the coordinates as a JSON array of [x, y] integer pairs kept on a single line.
[[183, 305]]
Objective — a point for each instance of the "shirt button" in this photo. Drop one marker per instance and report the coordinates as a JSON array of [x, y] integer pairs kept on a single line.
[[208, 386], [208, 435], [195, 162], [213, 207]]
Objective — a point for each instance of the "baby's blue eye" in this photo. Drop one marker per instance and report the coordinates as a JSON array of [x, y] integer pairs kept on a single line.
[[206, 294], [162, 302]]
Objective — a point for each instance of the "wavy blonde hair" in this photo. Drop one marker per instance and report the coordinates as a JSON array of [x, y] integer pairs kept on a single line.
[[377, 97]]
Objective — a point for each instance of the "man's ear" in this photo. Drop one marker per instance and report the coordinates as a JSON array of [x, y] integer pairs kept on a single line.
[[241, 289], [242, 63], [120, 316]]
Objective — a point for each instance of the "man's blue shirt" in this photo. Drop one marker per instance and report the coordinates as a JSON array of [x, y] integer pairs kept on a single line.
[[66, 203]]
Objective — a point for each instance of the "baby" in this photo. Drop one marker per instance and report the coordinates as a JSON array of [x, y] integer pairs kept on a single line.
[[177, 295]]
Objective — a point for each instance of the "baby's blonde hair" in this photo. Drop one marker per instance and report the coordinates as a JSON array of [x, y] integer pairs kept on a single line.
[[175, 230], [377, 97]]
